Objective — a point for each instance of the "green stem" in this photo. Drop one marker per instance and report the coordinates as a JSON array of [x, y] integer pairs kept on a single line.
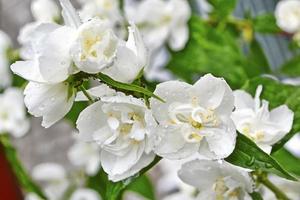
[[278, 193], [91, 100], [21, 174]]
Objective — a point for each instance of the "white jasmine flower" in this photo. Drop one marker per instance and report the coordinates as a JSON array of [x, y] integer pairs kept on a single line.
[[85, 194], [287, 15], [253, 119], [121, 126], [45, 10], [12, 113], [5, 44], [52, 102], [85, 155], [217, 180], [95, 46], [161, 21], [53, 177], [195, 118]]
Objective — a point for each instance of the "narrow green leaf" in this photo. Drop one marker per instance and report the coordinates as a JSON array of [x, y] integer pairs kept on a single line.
[[125, 86], [23, 178], [278, 94], [265, 23], [288, 160], [248, 155]]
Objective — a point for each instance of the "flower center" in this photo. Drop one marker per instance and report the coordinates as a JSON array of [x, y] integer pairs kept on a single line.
[[193, 120], [223, 191], [252, 134]]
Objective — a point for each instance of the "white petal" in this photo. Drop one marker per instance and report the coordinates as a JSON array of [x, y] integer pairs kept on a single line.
[[214, 93], [144, 161], [28, 70], [48, 101], [71, 18], [201, 174], [126, 67], [179, 37], [172, 145], [222, 142], [90, 120], [136, 44], [170, 91], [54, 60], [243, 100], [116, 165]]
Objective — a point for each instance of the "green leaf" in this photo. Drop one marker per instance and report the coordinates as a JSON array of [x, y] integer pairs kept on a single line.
[[125, 86], [210, 50], [222, 8], [23, 178], [292, 67], [278, 94], [257, 61], [265, 23], [143, 187], [75, 111], [288, 160], [248, 155], [256, 196]]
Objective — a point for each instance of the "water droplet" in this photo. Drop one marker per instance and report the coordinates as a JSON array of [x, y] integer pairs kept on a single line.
[[63, 63], [251, 161]]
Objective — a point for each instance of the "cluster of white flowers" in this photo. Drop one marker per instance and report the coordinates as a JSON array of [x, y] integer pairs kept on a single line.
[[55, 181], [12, 109], [124, 133]]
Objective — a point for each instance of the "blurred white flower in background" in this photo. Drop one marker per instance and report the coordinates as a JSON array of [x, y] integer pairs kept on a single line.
[[31, 196], [85, 194], [253, 119], [13, 113], [169, 182], [287, 13], [85, 155], [53, 178], [123, 128], [161, 21], [217, 180], [103, 9], [45, 10], [195, 118], [290, 188], [293, 145], [5, 75]]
